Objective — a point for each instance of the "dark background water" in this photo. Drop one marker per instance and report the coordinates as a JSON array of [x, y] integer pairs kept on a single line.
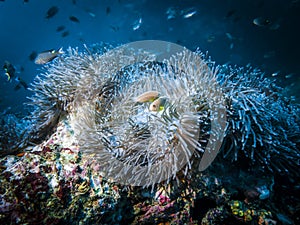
[[224, 28]]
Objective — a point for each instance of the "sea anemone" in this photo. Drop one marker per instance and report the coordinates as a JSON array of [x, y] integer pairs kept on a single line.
[[150, 118], [53, 91], [138, 143], [150, 109], [143, 146], [61, 82], [263, 124]]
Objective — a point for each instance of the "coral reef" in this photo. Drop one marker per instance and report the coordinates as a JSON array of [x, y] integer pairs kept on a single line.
[[102, 85], [12, 134], [54, 184], [57, 184], [120, 137]]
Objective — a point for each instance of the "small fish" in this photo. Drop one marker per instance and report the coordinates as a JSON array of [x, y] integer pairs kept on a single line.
[[114, 28], [91, 14], [229, 36], [25, 1], [137, 24], [17, 87], [51, 12], [148, 96], [108, 10], [275, 74], [261, 22], [82, 40], [60, 28], [188, 13], [21, 69], [211, 38], [65, 33], [158, 104], [171, 13], [21, 83], [74, 19], [47, 56], [32, 55], [179, 42], [274, 26], [289, 75], [10, 70], [21, 154]]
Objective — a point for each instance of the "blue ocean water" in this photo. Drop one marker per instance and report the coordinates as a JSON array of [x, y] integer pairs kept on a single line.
[[223, 28]]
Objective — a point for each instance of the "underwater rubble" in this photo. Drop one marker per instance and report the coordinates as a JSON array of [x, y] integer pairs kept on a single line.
[[53, 173]]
